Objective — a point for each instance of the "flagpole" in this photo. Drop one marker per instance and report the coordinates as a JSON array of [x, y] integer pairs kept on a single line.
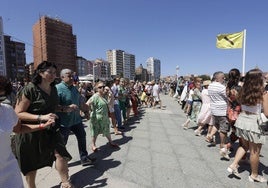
[[244, 52]]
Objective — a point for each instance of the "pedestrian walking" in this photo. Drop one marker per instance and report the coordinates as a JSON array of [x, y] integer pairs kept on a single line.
[[99, 119], [37, 103], [70, 104], [218, 98], [252, 98]]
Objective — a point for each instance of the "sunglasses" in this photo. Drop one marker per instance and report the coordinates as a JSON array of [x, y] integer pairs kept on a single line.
[[101, 87]]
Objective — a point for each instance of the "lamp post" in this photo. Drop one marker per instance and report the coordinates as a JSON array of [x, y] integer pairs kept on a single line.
[[177, 71], [94, 66]]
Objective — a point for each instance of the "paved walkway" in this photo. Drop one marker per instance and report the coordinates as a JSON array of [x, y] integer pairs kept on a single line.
[[155, 152]]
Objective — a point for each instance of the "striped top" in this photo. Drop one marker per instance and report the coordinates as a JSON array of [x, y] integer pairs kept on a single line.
[[218, 99]]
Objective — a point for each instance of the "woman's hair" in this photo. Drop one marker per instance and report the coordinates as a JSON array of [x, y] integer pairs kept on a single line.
[[42, 67], [233, 78], [97, 84], [197, 79], [252, 90], [5, 85]]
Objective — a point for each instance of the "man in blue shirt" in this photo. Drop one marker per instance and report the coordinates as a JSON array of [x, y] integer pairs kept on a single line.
[[70, 119]]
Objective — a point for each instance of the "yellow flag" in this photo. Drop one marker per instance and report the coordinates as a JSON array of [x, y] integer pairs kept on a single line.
[[231, 40]]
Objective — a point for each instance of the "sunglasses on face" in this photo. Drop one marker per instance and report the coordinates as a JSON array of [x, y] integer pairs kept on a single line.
[[101, 87]]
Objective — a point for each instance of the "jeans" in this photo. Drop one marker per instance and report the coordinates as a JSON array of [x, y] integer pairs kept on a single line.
[[118, 116], [80, 133], [123, 108]]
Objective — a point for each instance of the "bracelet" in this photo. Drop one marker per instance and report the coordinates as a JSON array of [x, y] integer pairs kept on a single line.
[[39, 118], [41, 126]]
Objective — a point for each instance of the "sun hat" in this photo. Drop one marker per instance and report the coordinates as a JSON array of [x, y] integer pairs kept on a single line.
[[206, 82]]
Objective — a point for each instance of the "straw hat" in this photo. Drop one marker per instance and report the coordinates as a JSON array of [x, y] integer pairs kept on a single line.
[[206, 82]]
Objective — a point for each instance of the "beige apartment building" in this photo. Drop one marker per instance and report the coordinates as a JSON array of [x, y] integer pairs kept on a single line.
[[122, 63]]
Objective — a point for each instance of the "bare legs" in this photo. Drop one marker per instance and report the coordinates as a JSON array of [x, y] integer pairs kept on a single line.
[[254, 158], [61, 167], [94, 147], [223, 137], [186, 124], [30, 179], [241, 151], [116, 132]]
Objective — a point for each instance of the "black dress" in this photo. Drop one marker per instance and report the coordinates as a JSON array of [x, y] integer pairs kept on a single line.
[[36, 150]]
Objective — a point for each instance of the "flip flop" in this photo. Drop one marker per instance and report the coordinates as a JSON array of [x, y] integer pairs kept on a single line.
[[118, 133]]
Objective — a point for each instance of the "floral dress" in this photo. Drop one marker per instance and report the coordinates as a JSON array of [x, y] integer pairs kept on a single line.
[[196, 105], [99, 120]]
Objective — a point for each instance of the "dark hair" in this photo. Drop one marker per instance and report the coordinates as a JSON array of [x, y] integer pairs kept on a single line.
[[42, 67], [233, 78], [116, 79], [5, 85], [252, 90]]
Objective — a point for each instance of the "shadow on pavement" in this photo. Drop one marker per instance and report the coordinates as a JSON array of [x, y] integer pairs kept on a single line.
[[88, 176]]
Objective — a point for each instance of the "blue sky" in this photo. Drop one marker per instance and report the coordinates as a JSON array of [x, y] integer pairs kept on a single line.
[[178, 32]]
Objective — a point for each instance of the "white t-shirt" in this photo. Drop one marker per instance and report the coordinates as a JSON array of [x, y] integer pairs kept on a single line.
[[10, 175], [156, 90], [115, 90]]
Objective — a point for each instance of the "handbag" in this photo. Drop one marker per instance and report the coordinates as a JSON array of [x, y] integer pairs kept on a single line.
[[263, 123]]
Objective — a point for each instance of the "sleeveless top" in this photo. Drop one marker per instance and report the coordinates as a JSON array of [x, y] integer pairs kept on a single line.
[[252, 109]]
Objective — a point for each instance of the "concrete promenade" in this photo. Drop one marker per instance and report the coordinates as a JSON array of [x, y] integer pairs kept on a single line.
[[155, 152]]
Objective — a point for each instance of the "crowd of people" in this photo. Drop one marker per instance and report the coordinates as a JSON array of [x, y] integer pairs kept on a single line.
[[37, 118], [44, 113], [229, 109]]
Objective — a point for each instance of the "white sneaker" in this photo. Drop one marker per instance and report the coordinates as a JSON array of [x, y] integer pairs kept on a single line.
[[224, 153]]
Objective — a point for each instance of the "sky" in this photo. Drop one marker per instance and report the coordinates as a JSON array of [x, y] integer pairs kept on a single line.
[[180, 33]]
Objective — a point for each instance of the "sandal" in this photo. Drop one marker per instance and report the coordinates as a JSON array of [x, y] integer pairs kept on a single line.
[[66, 184], [208, 139], [259, 178], [118, 133], [94, 149]]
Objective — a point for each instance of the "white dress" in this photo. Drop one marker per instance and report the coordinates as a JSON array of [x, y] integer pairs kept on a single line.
[[205, 116], [10, 175]]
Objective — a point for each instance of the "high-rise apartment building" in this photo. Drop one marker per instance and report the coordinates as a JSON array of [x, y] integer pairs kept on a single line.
[[141, 73], [15, 59], [122, 63], [132, 67], [54, 41], [2, 50], [153, 68], [82, 66], [102, 69], [115, 58]]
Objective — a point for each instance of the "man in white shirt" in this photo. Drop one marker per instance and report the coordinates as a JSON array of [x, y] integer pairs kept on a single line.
[[156, 97], [218, 105]]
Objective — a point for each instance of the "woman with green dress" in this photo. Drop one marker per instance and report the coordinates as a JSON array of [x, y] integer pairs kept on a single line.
[[99, 118]]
